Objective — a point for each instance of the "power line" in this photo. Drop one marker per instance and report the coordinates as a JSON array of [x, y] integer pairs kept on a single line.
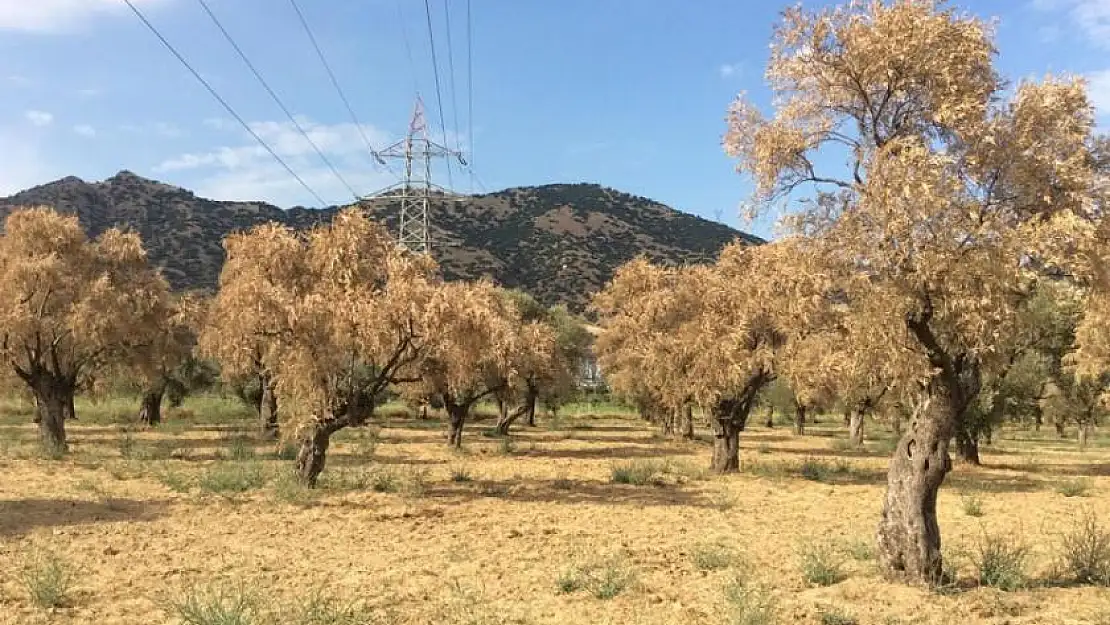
[[227, 106], [408, 46], [335, 83], [451, 69], [275, 97], [469, 95], [439, 92]]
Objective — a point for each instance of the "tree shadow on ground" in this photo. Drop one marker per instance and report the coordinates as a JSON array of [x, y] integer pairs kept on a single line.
[[830, 453], [602, 453], [1100, 469], [989, 483], [19, 516], [565, 491]]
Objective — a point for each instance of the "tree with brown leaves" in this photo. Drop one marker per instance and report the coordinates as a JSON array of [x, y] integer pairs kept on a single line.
[[334, 316], [951, 186], [73, 307], [173, 346]]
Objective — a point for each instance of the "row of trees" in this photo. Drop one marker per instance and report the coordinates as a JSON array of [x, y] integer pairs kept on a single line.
[[944, 254], [321, 324]]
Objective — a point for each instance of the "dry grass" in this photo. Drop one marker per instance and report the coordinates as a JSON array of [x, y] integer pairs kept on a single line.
[[405, 531]]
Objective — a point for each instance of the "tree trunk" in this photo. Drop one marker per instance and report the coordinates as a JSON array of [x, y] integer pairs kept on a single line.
[[770, 416], [967, 445], [800, 419], [666, 421], [848, 418], [726, 446], [502, 409], [268, 410], [1085, 430], [908, 534], [507, 419], [1038, 420], [855, 428], [313, 451], [54, 402], [1060, 432], [688, 423], [456, 415], [530, 398], [150, 411]]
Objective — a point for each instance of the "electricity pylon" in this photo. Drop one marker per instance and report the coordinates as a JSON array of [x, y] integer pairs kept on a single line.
[[415, 188]]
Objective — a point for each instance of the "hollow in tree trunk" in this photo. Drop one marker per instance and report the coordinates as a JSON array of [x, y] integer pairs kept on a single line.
[[799, 419], [268, 409], [908, 534], [54, 402], [313, 451], [150, 410], [855, 428], [688, 423]]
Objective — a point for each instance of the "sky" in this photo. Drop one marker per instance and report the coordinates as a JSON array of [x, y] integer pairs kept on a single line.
[[630, 94]]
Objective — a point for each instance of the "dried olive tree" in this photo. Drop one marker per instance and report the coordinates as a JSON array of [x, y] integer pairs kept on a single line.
[[952, 185]]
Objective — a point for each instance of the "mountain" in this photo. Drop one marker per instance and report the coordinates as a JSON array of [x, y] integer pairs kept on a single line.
[[560, 242]]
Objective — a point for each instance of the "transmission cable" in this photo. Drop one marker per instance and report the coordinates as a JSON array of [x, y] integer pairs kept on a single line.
[[439, 92], [451, 75], [276, 99], [226, 106], [408, 47], [335, 83], [469, 96]]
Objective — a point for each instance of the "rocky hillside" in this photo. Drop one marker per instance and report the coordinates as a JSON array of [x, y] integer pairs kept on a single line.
[[559, 242]]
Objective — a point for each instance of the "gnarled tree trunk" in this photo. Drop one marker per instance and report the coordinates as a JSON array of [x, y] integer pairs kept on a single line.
[[54, 404], [268, 409], [313, 450], [770, 416], [855, 428], [150, 410], [506, 420], [799, 419], [908, 535], [728, 418], [688, 423], [666, 421], [967, 445], [1085, 430], [456, 419]]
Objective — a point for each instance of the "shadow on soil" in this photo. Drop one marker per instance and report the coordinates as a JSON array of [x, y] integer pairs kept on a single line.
[[20, 516], [573, 492]]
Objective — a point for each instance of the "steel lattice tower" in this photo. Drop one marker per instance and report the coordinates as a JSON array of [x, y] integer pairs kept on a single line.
[[415, 189]]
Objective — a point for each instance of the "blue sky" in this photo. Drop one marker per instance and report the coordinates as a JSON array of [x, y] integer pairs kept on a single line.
[[627, 93]]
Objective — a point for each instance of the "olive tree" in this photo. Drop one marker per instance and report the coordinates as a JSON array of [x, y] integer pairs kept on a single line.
[[73, 307], [952, 185]]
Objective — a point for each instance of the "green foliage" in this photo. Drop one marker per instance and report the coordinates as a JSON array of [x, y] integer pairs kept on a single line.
[[1085, 552], [817, 470], [837, 616], [861, 549], [1000, 562], [604, 579], [821, 564], [48, 580], [460, 474], [239, 448], [322, 608]]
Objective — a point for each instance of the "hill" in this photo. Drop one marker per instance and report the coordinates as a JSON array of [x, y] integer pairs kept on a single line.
[[559, 242]]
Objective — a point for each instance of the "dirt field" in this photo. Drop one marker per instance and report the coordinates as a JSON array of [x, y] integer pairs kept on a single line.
[[534, 531]]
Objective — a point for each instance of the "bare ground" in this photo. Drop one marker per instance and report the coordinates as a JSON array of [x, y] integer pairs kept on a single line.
[[500, 535]]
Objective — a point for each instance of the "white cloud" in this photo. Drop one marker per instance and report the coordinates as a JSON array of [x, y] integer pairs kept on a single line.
[[85, 130], [49, 16], [39, 118], [245, 171], [1092, 17], [728, 70], [161, 129]]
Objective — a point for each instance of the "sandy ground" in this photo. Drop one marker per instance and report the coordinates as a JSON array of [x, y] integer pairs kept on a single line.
[[488, 535]]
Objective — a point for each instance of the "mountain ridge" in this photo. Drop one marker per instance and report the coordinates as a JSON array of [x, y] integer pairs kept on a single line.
[[561, 242]]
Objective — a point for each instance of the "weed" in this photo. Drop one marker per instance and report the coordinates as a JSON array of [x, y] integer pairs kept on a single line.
[[750, 604], [286, 451], [821, 564], [460, 474], [860, 550], [1075, 488], [1001, 562], [763, 448], [347, 479], [174, 481], [416, 483], [837, 616], [713, 556], [288, 488], [127, 446], [815, 470], [638, 472], [603, 579], [239, 448], [842, 444], [506, 447], [48, 580], [232, 477], [218, 606], [385, 481], [321, 608], [1085, 552], [562, 482], [724, 500], [973, 506]]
